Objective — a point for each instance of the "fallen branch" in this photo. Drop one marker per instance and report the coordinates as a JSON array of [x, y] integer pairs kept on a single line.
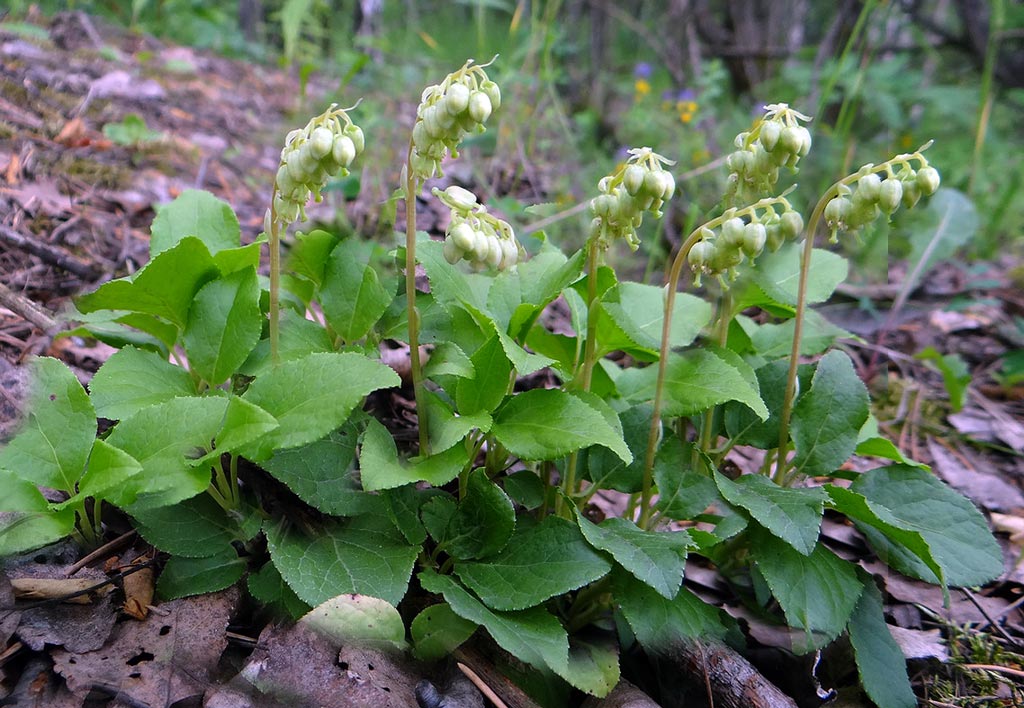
[[50, 254], [30, 311], [731, 680]]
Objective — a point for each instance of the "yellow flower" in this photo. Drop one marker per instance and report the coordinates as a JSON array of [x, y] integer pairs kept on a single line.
[[643, 87]]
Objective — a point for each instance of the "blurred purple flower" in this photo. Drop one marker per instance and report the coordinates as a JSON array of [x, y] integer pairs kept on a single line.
[[642, 70]]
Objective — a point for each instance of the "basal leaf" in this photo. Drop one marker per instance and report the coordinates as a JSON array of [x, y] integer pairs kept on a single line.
[[313, 395], [164, 287], [817, 591], [437, 631], [224, 325], [778, 274], [309, 252], [268, 587], [445, 427], [637, 312], [449, 285], [956, 532], [184, 577], [381, 468], [658, 622], [108, 467], [54, 442], [532, 635], [167, 440], [683, 493], [26, 521], [194, 528], [195, 213], [881, 665], [322, 473], [791, 514], [655, 558], [483, 522], [448, 359], [605, 468], [545, 424], [540, 561], [365, 556], [828, 417], [486, 389], [695, 381], [133, 379], [773, 341], [299, 337], [593, 665], [358, 620], [352, 295]]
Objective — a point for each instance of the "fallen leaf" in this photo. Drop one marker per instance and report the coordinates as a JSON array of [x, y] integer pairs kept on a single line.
[[920, 643], [167, 658], [975, 478]]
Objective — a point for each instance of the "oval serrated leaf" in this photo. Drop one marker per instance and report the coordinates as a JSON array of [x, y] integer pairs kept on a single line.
[[545, 424], [133, 379], [224, 324], [313, 395], [540, 561], [437, 631]]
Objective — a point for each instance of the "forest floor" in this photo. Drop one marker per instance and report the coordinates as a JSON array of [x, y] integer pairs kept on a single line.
[[76, 202]]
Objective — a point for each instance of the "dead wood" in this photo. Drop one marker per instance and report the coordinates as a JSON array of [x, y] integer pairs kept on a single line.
[[50, 254], [731, 680], [625, 695]]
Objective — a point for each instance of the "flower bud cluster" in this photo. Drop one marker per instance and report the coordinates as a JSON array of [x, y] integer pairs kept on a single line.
[[739, 234], [460, 104], [640, 185], [855, 206], [474, 235], [775, 140], [326, 146]]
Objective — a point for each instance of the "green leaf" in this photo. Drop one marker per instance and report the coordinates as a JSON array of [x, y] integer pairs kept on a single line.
[[184, 577], [133, 379], [485, 390], [540, 561], [445, 427], [195, 213], [26, 521], [108, 467], [532, 635], [545, 424], [882, 668], [243, 423], [748, 429], [358, 620], [593, 665], [313, 395], [633, 316], [268, 587], [365, 556], [525, 488], [194, 528], [54, 442], [778, 274], [437, 631], [449, 285], [352, 296], [695, 381], [606, 469], [299, 337], [828, 417], [223, 326], [867, 514], [772, 341], [955, 374], [791, 514], [523, 361], [955, 531], [168, 439], [448, 359], [381, 468], [817, 591], [164, 287], [230, 260], [483, 522], [403, 506], [658, 622], [322, 473], [655, 558], [683, 493], [309, 252]]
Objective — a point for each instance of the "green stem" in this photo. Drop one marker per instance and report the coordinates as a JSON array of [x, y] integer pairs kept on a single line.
[[589, 360], [410, 298], [722, 337], [666, 331], [275, 278]]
